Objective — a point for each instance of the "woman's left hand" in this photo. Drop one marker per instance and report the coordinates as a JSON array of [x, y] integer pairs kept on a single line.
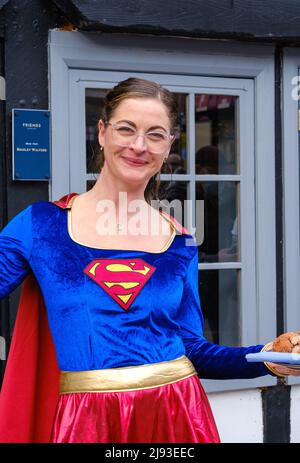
[[279, 369], [283, 371]]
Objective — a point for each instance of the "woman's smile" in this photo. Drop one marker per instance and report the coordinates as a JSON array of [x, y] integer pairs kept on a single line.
[[136, 162]]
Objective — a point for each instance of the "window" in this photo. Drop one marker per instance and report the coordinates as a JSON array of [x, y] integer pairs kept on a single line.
[[291, 172], [222, 156], [205, 166]]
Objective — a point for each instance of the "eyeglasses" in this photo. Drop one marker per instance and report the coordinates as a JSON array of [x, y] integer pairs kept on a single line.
[[157, 142]]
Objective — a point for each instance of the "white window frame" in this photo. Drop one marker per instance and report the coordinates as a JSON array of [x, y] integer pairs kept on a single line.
[[291, 69], [129, 54]]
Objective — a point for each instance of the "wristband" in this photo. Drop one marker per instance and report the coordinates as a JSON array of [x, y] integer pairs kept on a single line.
[[267, 347]]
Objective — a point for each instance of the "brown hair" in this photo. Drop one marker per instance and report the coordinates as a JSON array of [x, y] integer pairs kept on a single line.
[[140, 88]]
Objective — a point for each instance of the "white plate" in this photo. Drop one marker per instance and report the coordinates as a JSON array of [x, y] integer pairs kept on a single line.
[[281, 358]]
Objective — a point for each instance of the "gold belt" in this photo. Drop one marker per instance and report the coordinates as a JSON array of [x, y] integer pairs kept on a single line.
[[126, 378]]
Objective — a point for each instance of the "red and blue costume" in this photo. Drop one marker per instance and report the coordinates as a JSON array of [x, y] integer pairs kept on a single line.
[[85, 308]]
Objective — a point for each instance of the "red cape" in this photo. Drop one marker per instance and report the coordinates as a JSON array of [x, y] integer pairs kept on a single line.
[[30, 386]]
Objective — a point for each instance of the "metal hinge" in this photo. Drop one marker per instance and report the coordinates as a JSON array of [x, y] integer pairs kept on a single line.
[[2, 348], [2, 88]]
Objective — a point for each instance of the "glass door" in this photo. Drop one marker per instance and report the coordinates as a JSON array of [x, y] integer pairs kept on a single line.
[[212, 164]]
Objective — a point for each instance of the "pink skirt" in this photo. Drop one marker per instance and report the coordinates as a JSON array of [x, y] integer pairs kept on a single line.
[[178, 412]]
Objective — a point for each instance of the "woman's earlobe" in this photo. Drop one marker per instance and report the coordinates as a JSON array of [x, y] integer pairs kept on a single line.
[[101, 133]]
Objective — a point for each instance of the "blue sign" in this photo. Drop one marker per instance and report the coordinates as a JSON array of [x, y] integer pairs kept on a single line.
[[31, 144]]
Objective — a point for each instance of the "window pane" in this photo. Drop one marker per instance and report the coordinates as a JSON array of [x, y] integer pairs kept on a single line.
[[90, 184], [174, 164], [171, 191], [216, 134], [177, 160], [221, 221], [94, 98], [220, 303]]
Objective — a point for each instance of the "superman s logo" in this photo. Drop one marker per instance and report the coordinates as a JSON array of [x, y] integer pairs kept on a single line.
[[122, 279]]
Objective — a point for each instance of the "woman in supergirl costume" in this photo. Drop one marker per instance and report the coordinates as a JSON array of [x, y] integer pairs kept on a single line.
[[108, 343]]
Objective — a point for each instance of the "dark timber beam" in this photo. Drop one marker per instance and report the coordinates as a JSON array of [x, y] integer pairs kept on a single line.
[[254, 20]]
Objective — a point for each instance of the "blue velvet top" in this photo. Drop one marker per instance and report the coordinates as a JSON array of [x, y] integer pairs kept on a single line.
[[112, 308]]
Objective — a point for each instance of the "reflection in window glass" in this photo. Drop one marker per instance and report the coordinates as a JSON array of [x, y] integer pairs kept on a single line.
[[177, 160], [90, 184], [174, 164], [221, 221], [215, 132], [219, 296], [94, 98], [171, 191]]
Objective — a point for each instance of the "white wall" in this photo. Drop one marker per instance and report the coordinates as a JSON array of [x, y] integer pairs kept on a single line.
[[239, 418], [238, 415], [295, 414]]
